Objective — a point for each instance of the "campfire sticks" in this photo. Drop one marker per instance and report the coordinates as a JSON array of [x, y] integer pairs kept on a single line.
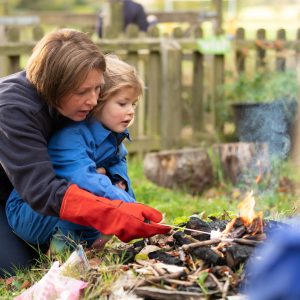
[[214, 240], [192, 230], [217, 241]]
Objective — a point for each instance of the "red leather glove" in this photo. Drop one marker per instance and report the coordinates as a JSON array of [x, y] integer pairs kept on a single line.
[[125, 220]]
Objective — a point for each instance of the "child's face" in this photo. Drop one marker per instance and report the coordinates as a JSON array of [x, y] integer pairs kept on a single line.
[[117, 112]]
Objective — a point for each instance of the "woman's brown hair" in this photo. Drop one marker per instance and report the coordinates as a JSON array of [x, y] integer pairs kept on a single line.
[[61, 61]]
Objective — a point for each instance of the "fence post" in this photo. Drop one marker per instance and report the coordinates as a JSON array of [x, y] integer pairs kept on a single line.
[[241, 51], [260, 48], [198, 88], [13, 35], [279, 47], [153, 92], [171, 103], [218, 77], [113, 19], [37, 32]]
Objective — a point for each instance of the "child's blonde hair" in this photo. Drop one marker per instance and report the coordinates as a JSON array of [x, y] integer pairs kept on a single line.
[[118, 75]]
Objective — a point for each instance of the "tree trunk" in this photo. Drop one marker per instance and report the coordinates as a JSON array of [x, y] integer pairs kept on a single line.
[[187, 169]]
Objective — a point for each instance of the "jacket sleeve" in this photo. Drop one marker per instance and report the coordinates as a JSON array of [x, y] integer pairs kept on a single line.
[[120, 169], [25, 159], [73, 160]]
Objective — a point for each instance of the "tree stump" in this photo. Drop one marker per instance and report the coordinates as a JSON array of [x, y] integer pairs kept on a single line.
[[187, 169], [243, 162]]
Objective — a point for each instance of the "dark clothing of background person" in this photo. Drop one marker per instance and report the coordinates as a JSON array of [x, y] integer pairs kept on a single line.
[[133, 12]]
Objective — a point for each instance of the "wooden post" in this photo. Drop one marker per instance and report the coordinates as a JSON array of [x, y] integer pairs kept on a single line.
[[240, 53], [153, 89], [13, 35], [198, 88], [279, 47], [171, 93], [219, 69], [260, 48], [218, 78], [153, 93], [113, 19], [37, 32], [219, 19]]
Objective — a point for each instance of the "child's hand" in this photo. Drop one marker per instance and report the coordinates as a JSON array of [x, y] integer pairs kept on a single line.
[[121, 184], [101, 171]]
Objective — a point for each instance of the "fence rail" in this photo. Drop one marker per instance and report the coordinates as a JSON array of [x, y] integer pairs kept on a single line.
[[182, 84]]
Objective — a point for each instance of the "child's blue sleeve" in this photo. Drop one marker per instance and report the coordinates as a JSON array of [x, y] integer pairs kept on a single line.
[[73, 160]]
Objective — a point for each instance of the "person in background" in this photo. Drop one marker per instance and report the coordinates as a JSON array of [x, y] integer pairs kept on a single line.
[[61, 83], [90, 154], [133, 13], [273, 272]]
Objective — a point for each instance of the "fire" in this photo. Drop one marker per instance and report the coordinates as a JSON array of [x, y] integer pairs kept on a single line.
[[246, 209], [248, 222]]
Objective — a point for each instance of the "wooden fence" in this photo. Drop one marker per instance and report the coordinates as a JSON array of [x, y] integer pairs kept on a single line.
[[182, 84], [160, 61], [276, 54]]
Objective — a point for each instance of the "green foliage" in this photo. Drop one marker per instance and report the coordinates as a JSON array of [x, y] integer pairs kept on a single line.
[[261, 87], [181, 220], [201, 282]]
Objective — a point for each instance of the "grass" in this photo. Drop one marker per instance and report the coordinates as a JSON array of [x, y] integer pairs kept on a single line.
[[276, 203]]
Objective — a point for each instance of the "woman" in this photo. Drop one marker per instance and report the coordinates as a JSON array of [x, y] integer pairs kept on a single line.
[[62, 82], [78, 152]]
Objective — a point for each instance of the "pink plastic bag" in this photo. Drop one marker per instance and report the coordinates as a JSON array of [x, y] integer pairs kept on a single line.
[[54, 285]]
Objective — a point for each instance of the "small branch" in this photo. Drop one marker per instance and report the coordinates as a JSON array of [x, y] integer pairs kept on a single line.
[[200, 244], [242, 241], [180, 282], [225, 288], [154, 279], [217, 241]]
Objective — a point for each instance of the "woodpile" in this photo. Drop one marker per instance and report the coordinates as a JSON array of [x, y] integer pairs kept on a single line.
[[193, 263]]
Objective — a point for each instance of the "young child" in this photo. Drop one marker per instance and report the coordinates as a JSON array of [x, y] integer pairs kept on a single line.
[[90, 154]]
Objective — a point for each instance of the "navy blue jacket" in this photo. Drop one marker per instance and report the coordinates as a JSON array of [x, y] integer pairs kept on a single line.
[[78, 149], [26, 124]]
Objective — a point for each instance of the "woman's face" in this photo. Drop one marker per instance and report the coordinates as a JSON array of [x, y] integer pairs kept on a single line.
[[77, 104]]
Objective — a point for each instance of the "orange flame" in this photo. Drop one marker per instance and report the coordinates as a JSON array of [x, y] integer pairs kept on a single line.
[[253, 222], [246, 209]]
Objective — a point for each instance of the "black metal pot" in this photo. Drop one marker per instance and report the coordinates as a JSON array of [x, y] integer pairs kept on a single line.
[[269, 123]]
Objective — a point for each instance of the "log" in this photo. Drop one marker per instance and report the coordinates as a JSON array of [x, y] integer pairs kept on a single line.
[[187, 169], [243, 162]]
